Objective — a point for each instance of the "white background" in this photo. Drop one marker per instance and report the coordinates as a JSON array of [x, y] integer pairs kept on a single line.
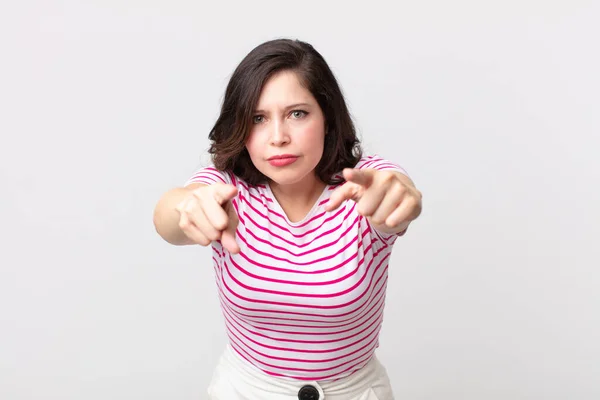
[[492, 107]]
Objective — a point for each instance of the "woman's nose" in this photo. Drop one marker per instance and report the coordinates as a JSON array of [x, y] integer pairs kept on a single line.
[[279, 133]]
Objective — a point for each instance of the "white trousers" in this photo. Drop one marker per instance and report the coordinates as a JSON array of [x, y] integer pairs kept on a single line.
[[235, 379]]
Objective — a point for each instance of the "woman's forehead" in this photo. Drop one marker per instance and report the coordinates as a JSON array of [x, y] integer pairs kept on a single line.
[[283, 90]]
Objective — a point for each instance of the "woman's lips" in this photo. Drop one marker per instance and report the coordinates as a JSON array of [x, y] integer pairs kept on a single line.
[[282, 161]]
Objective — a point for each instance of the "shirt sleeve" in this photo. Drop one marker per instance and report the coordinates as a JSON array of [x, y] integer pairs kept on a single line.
[[209, 175], [381, 164]]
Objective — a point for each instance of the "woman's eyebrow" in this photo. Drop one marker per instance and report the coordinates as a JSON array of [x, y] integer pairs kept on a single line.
[[287, 108]]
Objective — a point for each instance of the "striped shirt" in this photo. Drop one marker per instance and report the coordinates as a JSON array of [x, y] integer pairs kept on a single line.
[[302, 299]]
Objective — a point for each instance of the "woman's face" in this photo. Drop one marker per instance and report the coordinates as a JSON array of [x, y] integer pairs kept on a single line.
[[287, 122]]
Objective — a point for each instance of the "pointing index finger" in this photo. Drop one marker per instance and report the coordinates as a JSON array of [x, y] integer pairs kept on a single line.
[[363, 177], [348, 191]]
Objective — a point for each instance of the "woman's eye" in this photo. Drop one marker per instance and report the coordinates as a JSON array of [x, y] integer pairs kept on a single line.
[[257, 119], [298, 114]]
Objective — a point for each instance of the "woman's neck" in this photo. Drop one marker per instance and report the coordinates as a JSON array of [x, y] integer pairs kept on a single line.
[[297, 199]]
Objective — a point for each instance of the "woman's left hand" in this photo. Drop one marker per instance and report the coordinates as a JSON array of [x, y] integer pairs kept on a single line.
[[388, 199]]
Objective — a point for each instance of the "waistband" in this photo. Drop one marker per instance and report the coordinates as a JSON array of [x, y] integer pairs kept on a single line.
[[343, 388]]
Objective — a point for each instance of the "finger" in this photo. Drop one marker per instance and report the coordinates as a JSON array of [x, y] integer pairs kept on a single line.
[[391, 201], [363, 177], [200, 219], [348, 191], [228, 237], [402, 212], [183, 204], [229, 242], [192, 209], [215, 212], [223, 192], [192, 231], [371, 199]]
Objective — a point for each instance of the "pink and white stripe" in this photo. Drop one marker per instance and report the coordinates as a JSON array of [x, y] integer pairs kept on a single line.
[[302, 299]]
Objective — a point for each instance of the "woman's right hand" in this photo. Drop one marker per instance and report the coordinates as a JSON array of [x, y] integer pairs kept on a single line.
[[207, 214]]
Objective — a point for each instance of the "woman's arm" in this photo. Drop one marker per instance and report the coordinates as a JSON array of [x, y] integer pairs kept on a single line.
[[389, 199], [418, 206], [166, 216]]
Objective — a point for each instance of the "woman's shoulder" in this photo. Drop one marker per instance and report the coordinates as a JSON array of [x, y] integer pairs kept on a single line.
[[209, 174], [371, 161], [375, 161]]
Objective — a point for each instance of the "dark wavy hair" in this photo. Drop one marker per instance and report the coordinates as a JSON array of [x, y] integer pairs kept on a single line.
[[229, 134]]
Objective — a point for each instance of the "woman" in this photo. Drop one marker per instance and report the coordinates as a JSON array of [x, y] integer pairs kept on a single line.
[[301, 226]]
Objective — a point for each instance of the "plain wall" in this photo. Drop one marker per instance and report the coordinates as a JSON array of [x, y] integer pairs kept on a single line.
[[492, 107]]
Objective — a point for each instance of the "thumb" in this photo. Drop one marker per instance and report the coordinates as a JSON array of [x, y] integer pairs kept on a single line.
[[228, 236]]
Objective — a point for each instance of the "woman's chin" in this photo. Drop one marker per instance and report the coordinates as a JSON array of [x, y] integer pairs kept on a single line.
[[284, 178]]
